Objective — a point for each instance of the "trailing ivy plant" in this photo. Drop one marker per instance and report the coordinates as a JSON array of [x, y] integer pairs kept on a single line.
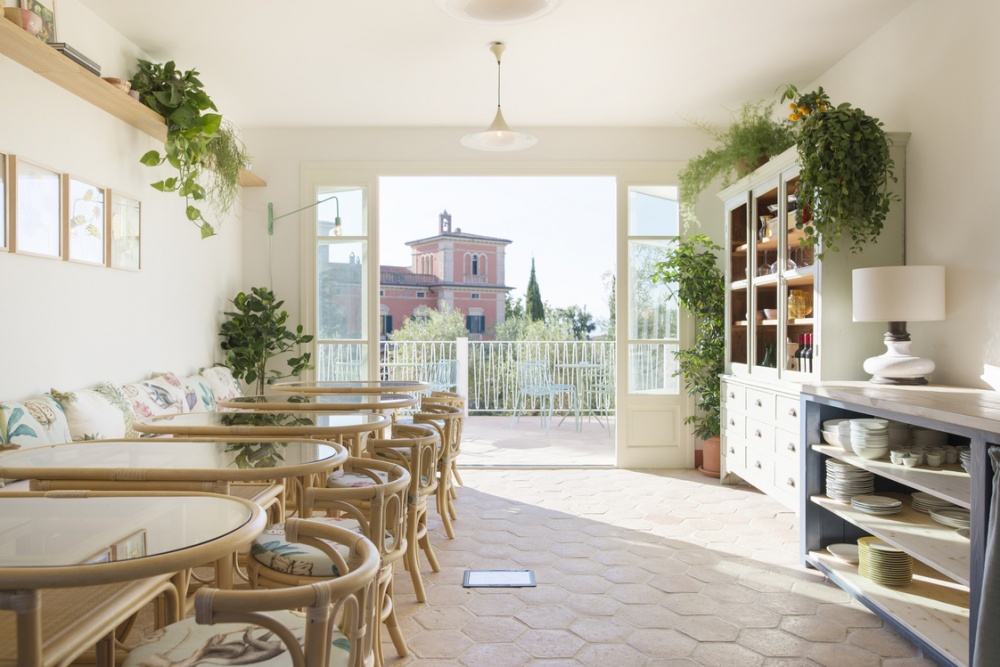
[[752, 138], [846, 170], [181, 99], [255, 333], [227, 158], [691, 269]]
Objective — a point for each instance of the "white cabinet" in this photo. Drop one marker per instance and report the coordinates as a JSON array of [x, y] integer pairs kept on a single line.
[[776, 292]]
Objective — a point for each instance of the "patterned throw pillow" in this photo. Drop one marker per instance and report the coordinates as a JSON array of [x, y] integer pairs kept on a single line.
[[223, 383], [98, 413], [162, 395], [198, 394], [33, 422]]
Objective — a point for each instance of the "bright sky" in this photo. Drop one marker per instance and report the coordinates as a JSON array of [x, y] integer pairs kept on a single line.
[[566, 223]]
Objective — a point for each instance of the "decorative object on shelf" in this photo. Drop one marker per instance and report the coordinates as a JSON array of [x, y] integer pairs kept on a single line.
[[498, 136], [121, 84], [180, 98], [497, 12], [897, 295], [46, 11], [227, 158], [29, 21], [691, 266], [883, 563], [77, 57], [255, 332], [753, 137], [799, 303], [846, 172], [124, 232]]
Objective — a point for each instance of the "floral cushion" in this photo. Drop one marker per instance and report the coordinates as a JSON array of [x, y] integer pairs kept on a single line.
[[339, 479], [98, 413], [223, 383], [33, 422], [272, 550], [198, 394], [228, 643], [162, 395]]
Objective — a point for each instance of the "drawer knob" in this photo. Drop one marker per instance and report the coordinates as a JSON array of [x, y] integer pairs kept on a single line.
[[790, 482], [758, 465], [732, 394], [791, 446], [758, 403], [732, 422], [757, 434], [732, 450], [792, 412]]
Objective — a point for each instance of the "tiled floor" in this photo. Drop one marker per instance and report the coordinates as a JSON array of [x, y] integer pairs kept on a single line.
[[492, 441], [662, 568]]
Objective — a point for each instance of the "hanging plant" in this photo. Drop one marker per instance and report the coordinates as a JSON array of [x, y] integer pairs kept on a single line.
[[195, 139], [227, 159], [846, 170]]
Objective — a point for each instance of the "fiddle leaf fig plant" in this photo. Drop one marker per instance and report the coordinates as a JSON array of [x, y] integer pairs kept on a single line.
[[846, 170], [691, 269], [255, 333]]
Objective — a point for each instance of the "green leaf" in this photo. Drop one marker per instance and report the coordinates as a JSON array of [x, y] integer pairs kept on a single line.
[[151, 159]]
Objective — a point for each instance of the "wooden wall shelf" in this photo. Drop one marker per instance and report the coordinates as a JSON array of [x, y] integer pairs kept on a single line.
[[45, 61]]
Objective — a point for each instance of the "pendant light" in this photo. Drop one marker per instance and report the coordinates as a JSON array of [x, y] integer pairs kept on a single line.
[[497, 12], [498, 136]]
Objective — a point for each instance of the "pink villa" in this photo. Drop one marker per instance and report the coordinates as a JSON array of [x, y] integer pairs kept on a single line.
[[465, 271]]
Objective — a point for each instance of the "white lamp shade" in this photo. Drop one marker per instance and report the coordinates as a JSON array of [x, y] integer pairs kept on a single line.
[[899, 294], [498, 137], [497, 12]]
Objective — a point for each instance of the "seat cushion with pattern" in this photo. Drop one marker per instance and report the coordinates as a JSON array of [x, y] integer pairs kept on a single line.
[[272, 550], [188, 643], [339, 479]]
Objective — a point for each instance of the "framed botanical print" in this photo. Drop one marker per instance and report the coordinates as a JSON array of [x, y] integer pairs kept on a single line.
[[124, 231], [4, 202], [46, 10], [83, 221], [36, 209]]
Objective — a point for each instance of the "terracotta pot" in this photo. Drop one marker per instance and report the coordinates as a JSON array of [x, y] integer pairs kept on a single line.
[[711, 463]]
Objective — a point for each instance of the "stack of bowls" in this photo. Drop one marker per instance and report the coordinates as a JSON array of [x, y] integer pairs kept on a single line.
[[965, 457], [870, 438], [838, 432]]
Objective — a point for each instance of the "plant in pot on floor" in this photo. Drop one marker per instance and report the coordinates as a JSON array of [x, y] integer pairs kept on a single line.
[[255, 333], [753, 137], [690, 269], [846, 170]]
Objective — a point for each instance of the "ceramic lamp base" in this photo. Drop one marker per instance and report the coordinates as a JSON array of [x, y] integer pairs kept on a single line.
[[898, 366]]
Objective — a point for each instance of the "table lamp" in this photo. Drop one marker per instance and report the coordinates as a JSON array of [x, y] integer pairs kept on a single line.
[[897, 295]]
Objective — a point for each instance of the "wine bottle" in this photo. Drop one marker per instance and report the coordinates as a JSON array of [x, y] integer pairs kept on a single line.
[[795, 363], [807, 354]]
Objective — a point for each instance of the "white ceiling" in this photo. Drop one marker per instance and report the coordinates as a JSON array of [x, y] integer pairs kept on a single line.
[[403, 63]]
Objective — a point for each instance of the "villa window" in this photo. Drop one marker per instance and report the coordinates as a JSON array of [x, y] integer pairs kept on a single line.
[[475, 295], [475, 265], [476, 324], [421, 295]]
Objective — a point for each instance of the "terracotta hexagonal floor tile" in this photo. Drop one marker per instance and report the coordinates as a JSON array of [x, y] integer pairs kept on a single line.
[[690, 604], [852, 615], [491, 630], [550, 643], [814, 628], [495, 655], [443, 618], [773, 643], [503, 604], [586, 604], [748, 616], [551, 617], [842, 655], [662, 643], [676, 583], [883, 642], [443, 644], [645, 616], [728, 654], [585, 583], [605, 630], [707, 628], [602, 655]]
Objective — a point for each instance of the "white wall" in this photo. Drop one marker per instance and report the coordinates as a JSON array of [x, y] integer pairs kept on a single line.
[[932, 71], [67, 325]]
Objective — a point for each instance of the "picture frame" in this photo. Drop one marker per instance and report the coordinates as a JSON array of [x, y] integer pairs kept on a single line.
[[102, 556], [83, 222], [4, 202], [46, 10], [35, 207], [124, 232], [133, 546]]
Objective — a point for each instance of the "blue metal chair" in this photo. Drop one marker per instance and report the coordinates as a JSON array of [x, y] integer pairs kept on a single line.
[[535, 380]]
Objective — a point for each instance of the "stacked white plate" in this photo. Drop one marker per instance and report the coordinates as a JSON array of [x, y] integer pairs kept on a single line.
[[870, 437], [838, 432], [965, 457], [953, 518], [883, 563], [877, 504], [845, 552], [844, 481], [926, 503], [925, 437]]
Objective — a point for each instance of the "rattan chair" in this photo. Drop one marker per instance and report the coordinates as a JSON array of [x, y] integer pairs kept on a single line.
[[365, 496], [448, 421], [327, 622], [456, 401], [416, 448]]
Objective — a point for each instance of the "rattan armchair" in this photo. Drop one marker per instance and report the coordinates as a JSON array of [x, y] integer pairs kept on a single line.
[[448, 421]]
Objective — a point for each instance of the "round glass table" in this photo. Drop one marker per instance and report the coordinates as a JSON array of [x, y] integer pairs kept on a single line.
[[351, 386], [304, 402]]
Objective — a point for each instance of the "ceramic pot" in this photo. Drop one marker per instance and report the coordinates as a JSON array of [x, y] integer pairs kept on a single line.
[[28, 20], [710, 462]]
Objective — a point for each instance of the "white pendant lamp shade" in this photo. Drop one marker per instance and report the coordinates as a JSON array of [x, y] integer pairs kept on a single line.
[[497, 12], [498, 136]]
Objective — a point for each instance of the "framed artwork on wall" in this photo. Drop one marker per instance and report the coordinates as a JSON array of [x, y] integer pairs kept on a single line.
[[36, 209], [124, 232], [84, 221], [46, 10], [4, 203]]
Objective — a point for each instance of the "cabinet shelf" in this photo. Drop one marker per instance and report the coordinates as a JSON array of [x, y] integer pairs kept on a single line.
[[48, 63], [917, 533], [930, 607], [949, 482]]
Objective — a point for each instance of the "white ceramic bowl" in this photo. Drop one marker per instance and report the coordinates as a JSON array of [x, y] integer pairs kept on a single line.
[[870, 453]]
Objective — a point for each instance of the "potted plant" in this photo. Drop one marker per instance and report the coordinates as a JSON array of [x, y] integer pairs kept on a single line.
[[691, 269], [255, 333], [846, 170], [751, 139], [196, 141]]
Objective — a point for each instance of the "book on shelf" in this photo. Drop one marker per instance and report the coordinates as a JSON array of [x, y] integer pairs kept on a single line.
[[77, 57]]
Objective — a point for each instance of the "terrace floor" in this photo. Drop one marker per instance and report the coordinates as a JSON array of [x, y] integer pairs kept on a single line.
[[500, 441]]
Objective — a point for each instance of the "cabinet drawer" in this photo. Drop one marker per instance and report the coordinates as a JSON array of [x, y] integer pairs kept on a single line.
[[786, 445], [786, 477], [734, 422], [734, 397], [760, 436], [760, 469], [760, 404], [786, 412], [736, 455]]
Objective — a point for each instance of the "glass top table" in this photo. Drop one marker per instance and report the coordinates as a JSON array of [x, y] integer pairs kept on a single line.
[[346, 402], [285, 424], [153, 460], [351, 386], [54, 542]]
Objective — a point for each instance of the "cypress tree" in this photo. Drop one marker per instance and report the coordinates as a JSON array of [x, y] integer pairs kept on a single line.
[[533, 297]]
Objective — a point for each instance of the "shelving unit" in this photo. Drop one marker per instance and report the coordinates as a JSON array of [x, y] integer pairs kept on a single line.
[[45, 61], [938, 610]]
